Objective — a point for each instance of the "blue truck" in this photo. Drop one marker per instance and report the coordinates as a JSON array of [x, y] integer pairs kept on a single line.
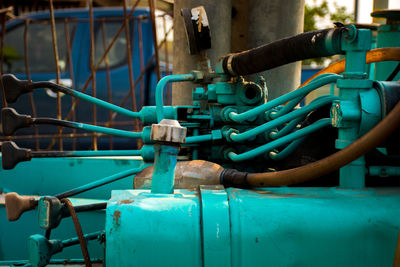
[[73, 25]]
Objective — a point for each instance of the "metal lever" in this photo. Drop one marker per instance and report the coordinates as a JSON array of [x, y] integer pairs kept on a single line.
[[12, 121], [51, 211], [16, 205]]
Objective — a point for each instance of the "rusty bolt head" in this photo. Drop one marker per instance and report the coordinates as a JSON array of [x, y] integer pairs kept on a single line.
[[168, 131]]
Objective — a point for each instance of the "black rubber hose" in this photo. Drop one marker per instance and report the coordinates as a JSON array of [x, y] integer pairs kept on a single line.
[[306, 45]]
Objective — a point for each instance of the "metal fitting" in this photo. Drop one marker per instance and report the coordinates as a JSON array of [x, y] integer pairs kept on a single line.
[[169, 131]]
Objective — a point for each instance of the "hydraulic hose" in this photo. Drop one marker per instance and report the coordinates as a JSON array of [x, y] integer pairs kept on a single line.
[[321, 167], [373, 56], [306, 45]]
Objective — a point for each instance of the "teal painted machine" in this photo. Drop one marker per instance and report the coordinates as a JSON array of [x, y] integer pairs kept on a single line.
[[232, 180]]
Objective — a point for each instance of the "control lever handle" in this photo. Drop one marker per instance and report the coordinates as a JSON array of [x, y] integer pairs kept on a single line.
[[12, 155], [16, 205], [12, 121], [13, 87]]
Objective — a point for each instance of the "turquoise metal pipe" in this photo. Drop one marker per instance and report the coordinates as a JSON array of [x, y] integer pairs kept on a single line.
[[160, 90], [164, 168], [290, 125], [283, 99], [319, 102], [88, 98], [289, 106], [97, 183], [286, 129], [198, 139], [279, 142], [89, 127], [287, 150]]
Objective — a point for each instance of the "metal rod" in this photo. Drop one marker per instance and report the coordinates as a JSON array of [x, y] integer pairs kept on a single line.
[[140, 35], [108, 78], [169, 99], [55, 49], [80, 153], [28, 77], [97, 66], [130, 67], [71, 73], [75, 240], [160, 88], [87, 127], [279, 142], [154, 30], [92, 69], [97, 183], [88, 98]]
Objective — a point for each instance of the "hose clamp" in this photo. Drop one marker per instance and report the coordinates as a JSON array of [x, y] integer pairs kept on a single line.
[[229, 66]]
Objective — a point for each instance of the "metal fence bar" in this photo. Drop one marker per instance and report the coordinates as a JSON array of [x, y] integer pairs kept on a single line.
[[71, 73], [108, 77], [55, 48], [130, 69], [168, 102], [76, 101], [28, 77], [140, 78], [92, 69], [153, 24], [140, 37]]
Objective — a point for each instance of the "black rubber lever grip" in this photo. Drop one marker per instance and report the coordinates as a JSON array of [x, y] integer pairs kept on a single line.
[[306, 45], [11, 155], [13, 87], [11, 121]]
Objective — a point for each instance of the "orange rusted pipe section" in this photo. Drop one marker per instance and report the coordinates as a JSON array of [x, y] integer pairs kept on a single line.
[[335, 161], [374, 55]]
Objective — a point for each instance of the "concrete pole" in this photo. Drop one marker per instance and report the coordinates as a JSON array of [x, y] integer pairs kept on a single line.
[[219, 17], [269, 21]]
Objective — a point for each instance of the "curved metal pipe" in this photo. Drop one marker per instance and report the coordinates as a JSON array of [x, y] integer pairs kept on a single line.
[[335, 161]]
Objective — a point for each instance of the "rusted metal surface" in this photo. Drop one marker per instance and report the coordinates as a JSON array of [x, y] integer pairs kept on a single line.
[[153, 24], [108, 78], [55, 48], [92, 69], [130, 68], [71, 72]]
